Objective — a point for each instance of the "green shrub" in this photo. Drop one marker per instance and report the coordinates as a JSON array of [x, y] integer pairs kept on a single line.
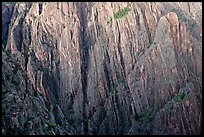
[[179, 97], [122, 81], [147, 117], [122, 13], [137, 116], [50, 125], [15, 70], [114, 88], [174, 10], [119, 14], [26, 124], [183, 18], [71, 122], [43, 126], [192, 25], [110, 21], [8, 76], [35, 93], [17, 83]]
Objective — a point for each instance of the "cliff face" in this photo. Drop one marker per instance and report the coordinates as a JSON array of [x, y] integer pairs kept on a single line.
[[102, 68]]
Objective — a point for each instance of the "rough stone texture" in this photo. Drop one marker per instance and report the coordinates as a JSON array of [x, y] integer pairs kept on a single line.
[[88, 76]]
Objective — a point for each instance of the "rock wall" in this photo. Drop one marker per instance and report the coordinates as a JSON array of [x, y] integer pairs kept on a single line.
[[107, 68]]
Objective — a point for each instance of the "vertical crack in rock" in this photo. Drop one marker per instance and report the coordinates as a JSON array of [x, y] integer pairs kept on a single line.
[[146, 27], [119, 48], [40, 7], [107, 78], [84, 53]]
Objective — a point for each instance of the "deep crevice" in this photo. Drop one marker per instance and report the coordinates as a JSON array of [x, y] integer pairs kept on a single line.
[[84, 55], [40, 8]]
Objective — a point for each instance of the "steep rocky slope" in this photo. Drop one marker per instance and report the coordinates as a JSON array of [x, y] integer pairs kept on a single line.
[[102, 68]]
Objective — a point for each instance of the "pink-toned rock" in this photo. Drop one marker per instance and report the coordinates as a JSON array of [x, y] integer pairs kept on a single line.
[[94, 71]]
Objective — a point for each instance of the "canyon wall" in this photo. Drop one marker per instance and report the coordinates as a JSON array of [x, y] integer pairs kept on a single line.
[[102, 68]]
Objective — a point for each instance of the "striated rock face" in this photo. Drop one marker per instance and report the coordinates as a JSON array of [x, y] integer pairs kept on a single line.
[[102, 68]]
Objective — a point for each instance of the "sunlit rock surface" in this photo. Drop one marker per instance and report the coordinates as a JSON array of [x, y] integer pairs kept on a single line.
[[102, 68]]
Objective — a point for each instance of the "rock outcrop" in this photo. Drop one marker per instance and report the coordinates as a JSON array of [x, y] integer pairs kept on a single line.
[[102, 68]]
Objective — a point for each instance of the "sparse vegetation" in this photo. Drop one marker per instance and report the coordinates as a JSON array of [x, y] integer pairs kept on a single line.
[[43, 126], [8, 76], [122, 13], [137, 117], [110, 20], [179, 97], [17, 83], [147, 117], [15, 70], [35, 93], [119, 14], [26, 124], [180, 15], [50, 126], [122, 81], [71, 121], [184, 18], [192, 25]]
